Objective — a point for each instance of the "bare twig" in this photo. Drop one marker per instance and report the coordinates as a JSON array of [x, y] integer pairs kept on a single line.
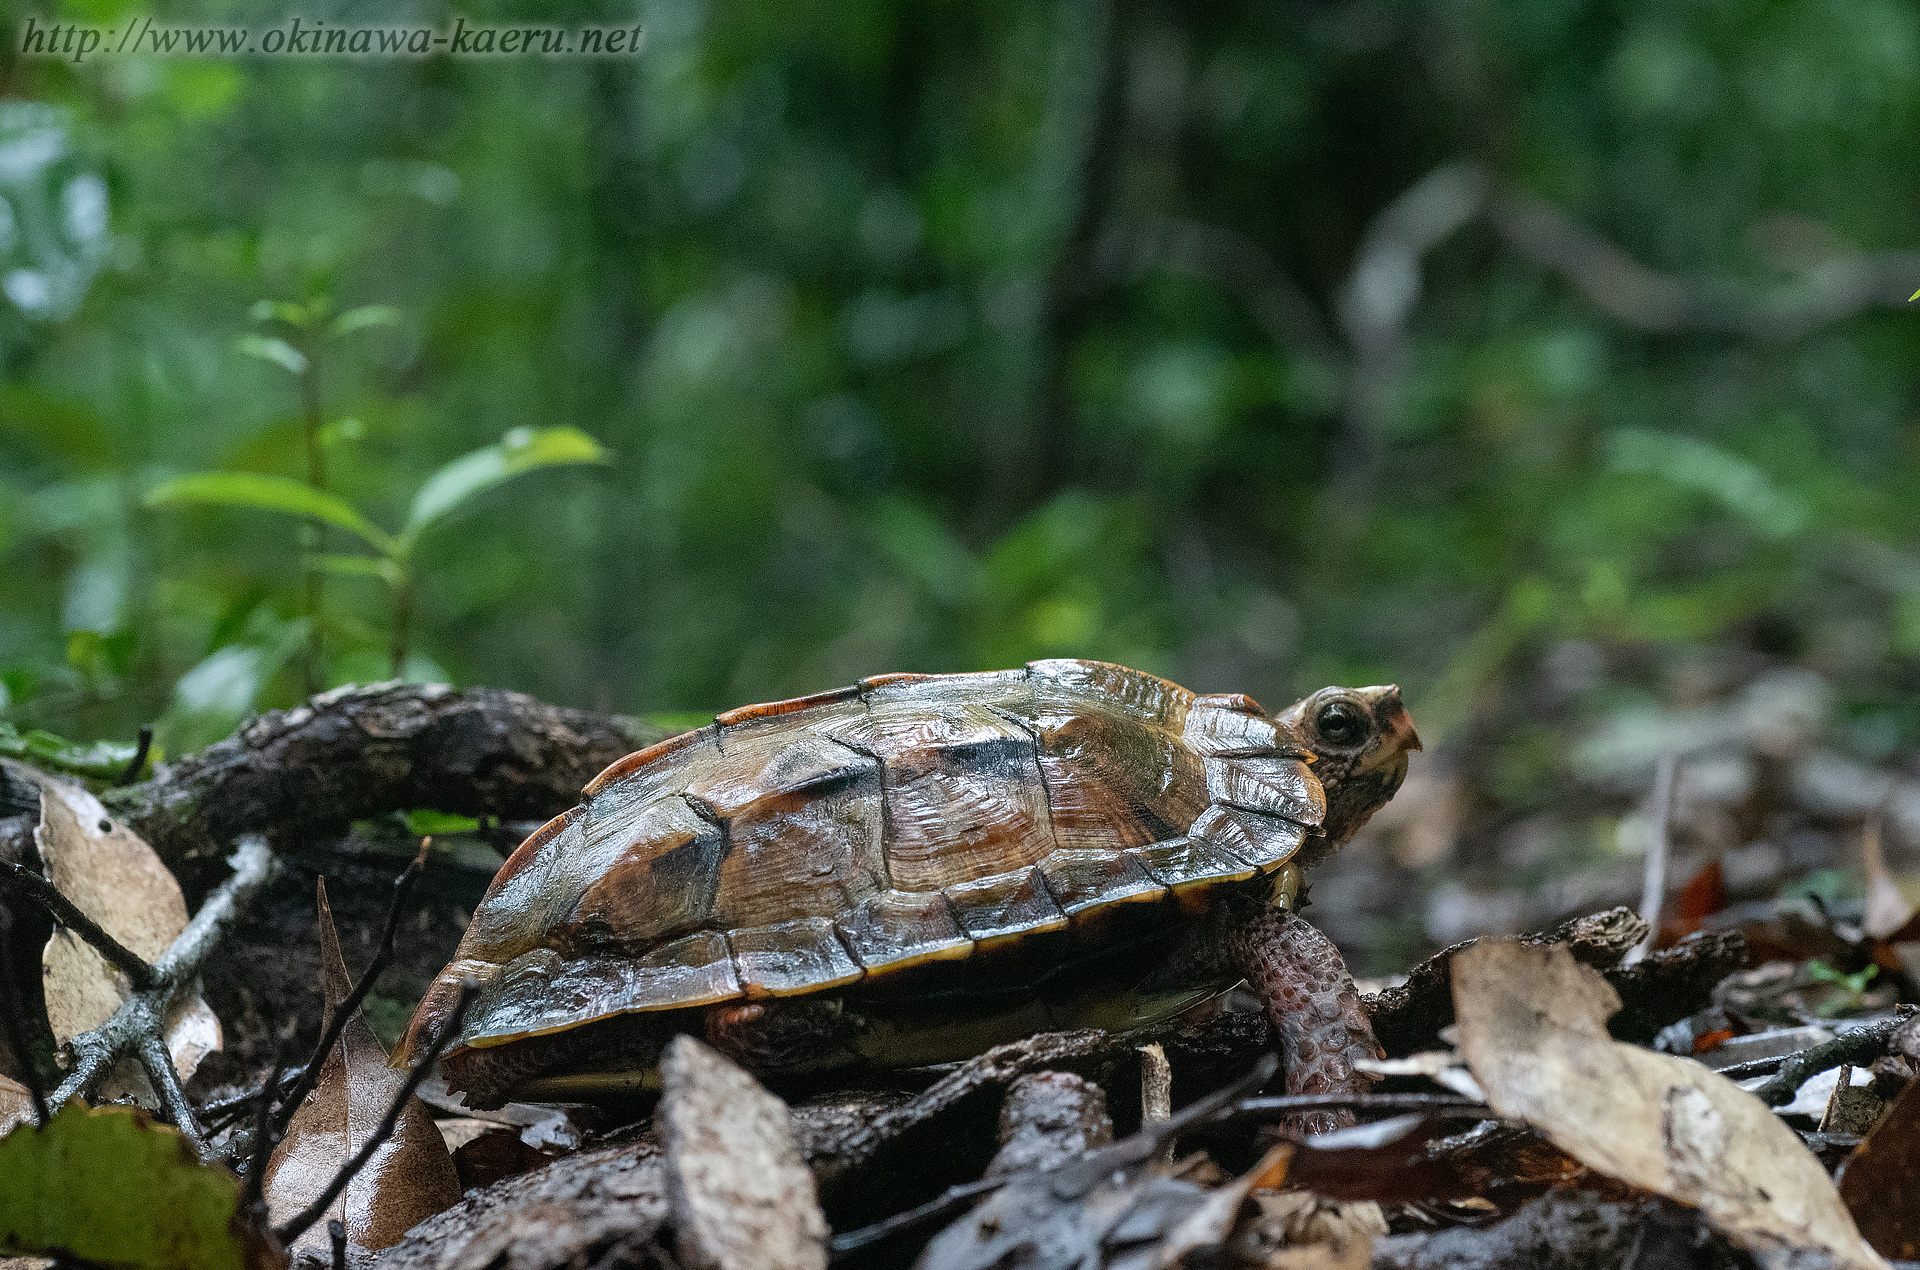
[[337, 1237], [139, 1025], [1653, 890], [1860, 1047], [155, 1059], [297, 1225], [951, 1200], [140, 752], [17, 1042], [260, 1149], [30, 886], [337, 1018], [1286, 1104]]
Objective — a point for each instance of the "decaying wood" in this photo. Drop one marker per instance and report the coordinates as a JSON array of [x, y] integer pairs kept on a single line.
[[1666, 986], [1047, 1119], [1562, 1230], [1408, 1018], [741, 1197], [603, 1207], [358, 752]]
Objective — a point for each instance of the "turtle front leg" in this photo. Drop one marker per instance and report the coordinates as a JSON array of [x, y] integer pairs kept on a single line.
[[1313, 1004]]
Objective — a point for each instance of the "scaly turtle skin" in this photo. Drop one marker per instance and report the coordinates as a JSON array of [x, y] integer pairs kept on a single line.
[[907, 870]]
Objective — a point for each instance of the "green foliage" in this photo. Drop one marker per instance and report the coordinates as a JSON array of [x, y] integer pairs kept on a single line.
[[907, 357], [110, 1187], [221, 688]]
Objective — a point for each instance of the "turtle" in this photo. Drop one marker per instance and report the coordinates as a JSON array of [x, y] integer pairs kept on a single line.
[[912, 869]]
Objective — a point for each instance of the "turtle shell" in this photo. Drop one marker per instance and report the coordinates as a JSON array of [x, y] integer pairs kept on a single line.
[[817, 843]]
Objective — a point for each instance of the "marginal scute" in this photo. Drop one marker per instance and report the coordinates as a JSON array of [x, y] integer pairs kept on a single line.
[[1262, 841], [529, 894], [1184, 863], [790, 958], [1006, 906], [1080, 880], [1274, 784], [898, 929], [1213, 731], [622, 769], [1238, 702], [542, 992], [774, 709]]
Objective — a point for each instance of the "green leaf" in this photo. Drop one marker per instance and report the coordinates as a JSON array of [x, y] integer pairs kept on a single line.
[[363, 317], [280, 311], [271, 348], [110, 1187], [422, 822], [270, 494], [100, 760], [521, 450], [342, 430], [358, 567]]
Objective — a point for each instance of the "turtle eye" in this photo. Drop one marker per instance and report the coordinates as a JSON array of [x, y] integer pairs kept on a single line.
[[1341, 723]]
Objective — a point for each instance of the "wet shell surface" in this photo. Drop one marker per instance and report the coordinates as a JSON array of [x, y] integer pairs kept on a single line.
[[813, 844]]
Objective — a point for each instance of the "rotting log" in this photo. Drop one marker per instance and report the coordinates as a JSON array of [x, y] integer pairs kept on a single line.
[[359, 752]]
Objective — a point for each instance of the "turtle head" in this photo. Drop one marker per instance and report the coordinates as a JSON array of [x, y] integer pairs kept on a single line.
[[1359, 738]]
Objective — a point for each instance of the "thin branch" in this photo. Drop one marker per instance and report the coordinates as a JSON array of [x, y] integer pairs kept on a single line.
[[337, 1018], [140, 752], [29, 885], [337, 1237], [1859, 1047], [261, 1148], [1278, 304], [297, 1225], [1653, 301], [948, 1201], [1286, 1104], [1653, 889], [142, 1016], [157, 1061]]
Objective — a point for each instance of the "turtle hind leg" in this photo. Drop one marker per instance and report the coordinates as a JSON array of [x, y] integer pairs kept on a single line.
[[1313, 1004], [783, 1035]]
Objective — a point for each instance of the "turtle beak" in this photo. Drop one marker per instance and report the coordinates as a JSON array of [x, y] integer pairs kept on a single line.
[[1396, 736]]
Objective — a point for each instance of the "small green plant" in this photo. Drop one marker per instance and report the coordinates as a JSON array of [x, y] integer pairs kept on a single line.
[[394, 558], [299, 338], [1850, 989]]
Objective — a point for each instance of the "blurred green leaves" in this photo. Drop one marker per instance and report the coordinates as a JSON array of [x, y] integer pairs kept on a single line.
[[271, 494], [235, 674]]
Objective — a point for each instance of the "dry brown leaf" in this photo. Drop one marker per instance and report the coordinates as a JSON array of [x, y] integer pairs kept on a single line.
[[1882, 1183], [1887, 908], [1533, 1028], [410, 1178], [16, 1107], [115, 878]]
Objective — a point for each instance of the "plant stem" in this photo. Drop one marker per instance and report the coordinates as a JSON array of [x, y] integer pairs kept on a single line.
[[315, 535], [402, 618]]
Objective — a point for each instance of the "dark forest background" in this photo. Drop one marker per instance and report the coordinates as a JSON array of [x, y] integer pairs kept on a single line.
[[1549, 358]]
